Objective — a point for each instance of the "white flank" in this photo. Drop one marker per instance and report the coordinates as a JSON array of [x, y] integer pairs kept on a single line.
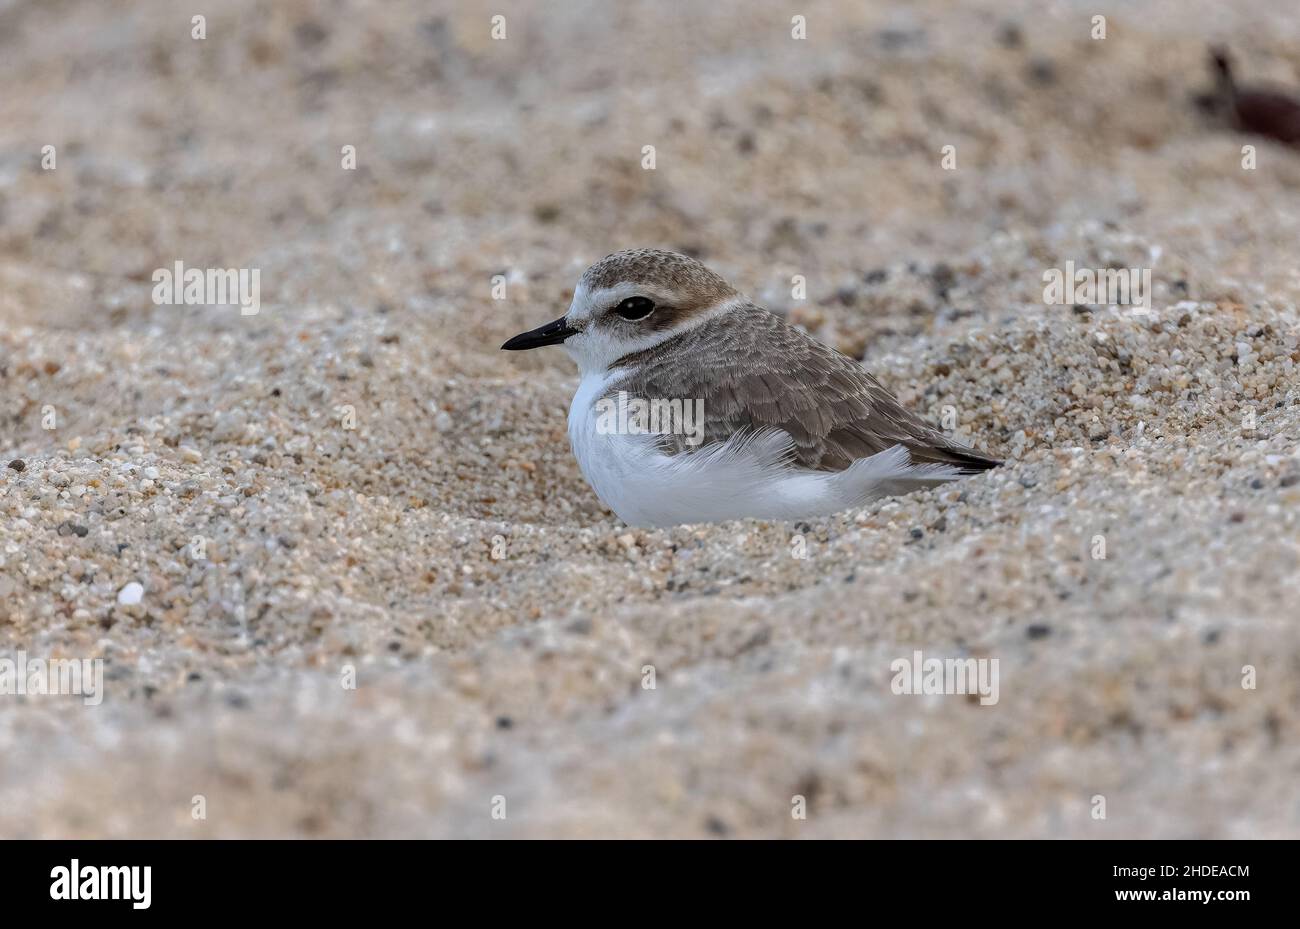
[[748, 476]]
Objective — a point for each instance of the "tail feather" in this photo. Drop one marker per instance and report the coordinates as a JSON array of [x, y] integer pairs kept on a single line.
[[966, 460], [893, 471]]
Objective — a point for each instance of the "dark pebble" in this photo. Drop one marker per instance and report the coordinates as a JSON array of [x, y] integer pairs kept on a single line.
[[505, 722], [18, 464], [1042, 71], [899, 38], [942, 277], [310, 34], [1010, 36], [1038, 631]]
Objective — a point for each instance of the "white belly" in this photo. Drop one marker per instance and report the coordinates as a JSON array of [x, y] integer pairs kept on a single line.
[[748, 476]]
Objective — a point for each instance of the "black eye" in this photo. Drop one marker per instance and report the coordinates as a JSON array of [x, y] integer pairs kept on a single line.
[[635, 308]]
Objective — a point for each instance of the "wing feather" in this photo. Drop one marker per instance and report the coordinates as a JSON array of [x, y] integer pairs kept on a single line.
[[755, 373]]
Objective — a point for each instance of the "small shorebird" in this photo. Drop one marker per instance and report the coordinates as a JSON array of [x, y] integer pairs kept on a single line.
[[789, 429]]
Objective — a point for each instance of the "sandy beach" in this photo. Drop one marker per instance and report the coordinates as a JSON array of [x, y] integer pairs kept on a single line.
[[337, 558]]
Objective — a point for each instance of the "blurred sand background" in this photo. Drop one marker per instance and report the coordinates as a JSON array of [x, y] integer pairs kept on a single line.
[[521, 676]]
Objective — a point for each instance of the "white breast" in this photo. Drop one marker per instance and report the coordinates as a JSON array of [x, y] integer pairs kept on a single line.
[[747, 476], [609, 462]]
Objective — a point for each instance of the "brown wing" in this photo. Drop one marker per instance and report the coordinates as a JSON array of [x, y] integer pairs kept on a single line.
[[757, 372]]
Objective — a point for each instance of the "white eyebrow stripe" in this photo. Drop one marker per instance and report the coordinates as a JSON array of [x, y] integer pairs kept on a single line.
[[580, 308], [587, 302], [702, 317], [699, 319]]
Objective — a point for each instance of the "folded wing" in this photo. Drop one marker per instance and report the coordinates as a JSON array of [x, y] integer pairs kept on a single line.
[[757, 373]]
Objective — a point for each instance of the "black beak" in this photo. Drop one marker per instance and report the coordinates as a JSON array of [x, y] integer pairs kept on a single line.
[[553, 333]]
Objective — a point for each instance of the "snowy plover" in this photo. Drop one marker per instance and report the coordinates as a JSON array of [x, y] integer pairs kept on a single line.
[[791, 429]]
